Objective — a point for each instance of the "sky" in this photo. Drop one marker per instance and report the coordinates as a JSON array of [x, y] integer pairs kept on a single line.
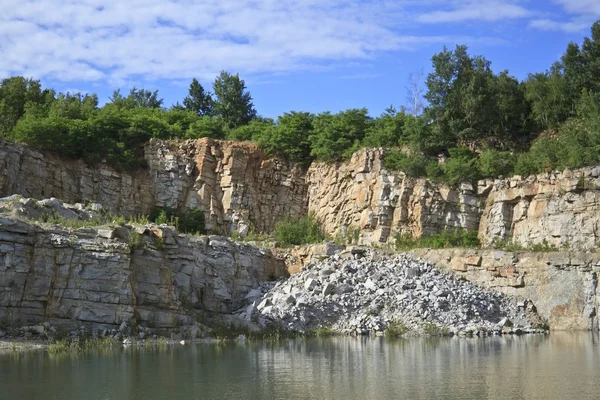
[[301, 55]]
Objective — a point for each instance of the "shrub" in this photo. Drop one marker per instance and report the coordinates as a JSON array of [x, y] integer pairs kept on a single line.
[[494, 163], [299, 231], [461, 166], [395, 329], [443, 240], [413, 165], [189, 221]]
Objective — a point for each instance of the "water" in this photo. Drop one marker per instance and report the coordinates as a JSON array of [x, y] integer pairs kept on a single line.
[[558, 366]]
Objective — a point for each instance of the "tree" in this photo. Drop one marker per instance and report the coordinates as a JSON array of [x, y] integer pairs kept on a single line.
[[233, 103], [198, 100], [290, 137], [549, 96], [414, 92], [137, 98], [337, 136], [16, 94]]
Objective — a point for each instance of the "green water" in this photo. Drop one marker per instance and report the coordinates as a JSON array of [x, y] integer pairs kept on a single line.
[[558, 366]]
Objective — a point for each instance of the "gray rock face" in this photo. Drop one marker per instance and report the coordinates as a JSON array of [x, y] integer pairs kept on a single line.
[[94, 277], [563, 285], [365, 295]]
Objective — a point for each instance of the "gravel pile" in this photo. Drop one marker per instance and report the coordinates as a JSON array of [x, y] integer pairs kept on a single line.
[[363, 294]]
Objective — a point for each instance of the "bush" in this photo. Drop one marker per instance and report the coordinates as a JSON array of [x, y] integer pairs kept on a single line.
[[413, 165], [461, 166], [299, 231], [189, 221], [494, 163], [395, 329]]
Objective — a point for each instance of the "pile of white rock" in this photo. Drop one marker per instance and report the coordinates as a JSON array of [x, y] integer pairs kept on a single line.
[[364, 293]]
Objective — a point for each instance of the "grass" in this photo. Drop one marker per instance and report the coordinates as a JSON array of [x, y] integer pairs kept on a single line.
[[77, 345], [433, 329], [543, 247], [443, 240], [395, 329], [321, 332], [298, 231]]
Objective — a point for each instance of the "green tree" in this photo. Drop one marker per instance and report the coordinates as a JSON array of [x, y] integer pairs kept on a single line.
[[198, 100], [206, 127], [137, 98], [232, 102], [290, 137], [255, 130], [16, 94], [338, 136]]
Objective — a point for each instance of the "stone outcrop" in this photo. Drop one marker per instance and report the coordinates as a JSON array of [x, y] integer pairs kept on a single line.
[[557, 209], [562, 285], [235, 184], [239, 188], [363, 202], [105, 276]]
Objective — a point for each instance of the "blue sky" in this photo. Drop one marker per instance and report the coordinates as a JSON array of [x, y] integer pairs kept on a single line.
[[303, 55]]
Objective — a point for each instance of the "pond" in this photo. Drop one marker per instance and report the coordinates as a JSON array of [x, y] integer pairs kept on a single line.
[[555, 366]]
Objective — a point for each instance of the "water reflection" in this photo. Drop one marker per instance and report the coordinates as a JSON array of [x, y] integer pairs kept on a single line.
[[530, 367]]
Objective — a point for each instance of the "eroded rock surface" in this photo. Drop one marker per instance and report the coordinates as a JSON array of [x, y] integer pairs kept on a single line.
[[107, 276], [563, 285]]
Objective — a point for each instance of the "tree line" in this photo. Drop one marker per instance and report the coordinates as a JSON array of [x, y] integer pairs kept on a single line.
[[476, 123]]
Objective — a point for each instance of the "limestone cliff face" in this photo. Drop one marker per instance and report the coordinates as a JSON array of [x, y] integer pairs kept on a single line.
[[361, 194], [92, 276], [29, 173], [237, 186], [561, 209], [562, 285]]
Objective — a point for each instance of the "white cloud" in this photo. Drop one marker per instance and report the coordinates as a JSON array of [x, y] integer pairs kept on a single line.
[[138, 40], [549, 25], [476, 11], [581, 7], [581, 15]]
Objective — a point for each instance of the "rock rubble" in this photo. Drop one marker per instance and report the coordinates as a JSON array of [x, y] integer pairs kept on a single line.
[[364, 295]]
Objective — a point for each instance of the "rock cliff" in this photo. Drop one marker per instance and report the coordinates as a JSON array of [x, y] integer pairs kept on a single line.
[[105, 276], [239, 188]]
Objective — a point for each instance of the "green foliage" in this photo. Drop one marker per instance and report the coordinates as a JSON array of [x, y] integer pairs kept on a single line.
[[137, 98], [433, 329], [494, 163], [253, 131], [298, 231], [289, 138], [232, 102], [337, 136], [413, 165], [387, 130], [78, 344], [395, 329], [198, 101], [189, 221], [461, 166], [206, 127], [320, 332], [455, 238]]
